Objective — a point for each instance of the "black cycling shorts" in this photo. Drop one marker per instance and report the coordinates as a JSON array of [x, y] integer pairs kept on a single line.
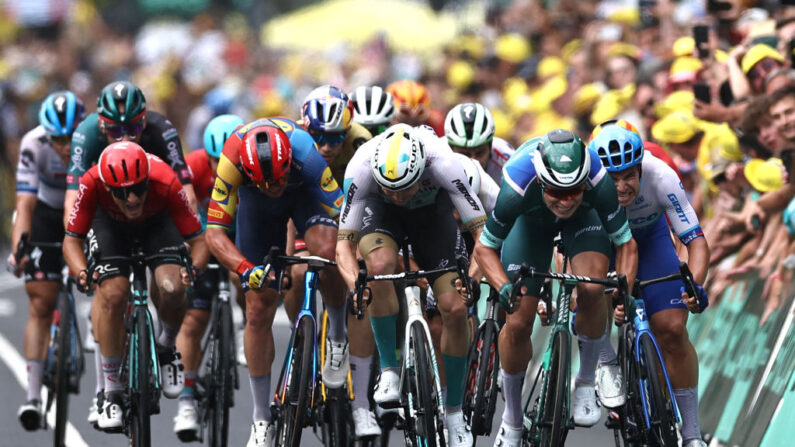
[[46, 260]]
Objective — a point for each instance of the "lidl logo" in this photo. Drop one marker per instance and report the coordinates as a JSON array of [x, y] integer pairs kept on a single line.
[[327, 181], [221, 191]]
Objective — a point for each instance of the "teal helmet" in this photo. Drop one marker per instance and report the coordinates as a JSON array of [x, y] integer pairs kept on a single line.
[[217, 131], [561, 160], [121, 92]]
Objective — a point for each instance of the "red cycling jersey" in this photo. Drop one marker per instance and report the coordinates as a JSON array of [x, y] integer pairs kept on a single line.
[[164, 193], [203, 177]]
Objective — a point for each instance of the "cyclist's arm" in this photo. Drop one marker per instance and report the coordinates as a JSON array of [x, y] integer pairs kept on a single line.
[[27, 175], [604, 198], [73, 253], [198, 251], [346, 261], [698, 259], [220, 215], [357, 185], [68, 203], [225, 251], [489, 262], [627, 259]]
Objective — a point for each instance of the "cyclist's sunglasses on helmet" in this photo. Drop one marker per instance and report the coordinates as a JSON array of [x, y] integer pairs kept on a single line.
[[117, 131], [138, 189], [331, 139], [564, 194]]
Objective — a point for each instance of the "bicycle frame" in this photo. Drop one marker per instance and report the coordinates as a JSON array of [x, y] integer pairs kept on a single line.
[[137, 305]]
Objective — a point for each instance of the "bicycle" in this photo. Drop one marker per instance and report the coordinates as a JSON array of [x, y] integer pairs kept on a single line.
[[420, 386], [140, 369], [295, 399], [548, 420], [649, 415], [483, 365], [219, 376]]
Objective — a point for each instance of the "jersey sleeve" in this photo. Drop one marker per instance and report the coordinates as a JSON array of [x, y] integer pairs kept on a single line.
[[27, 167], [223, 200], [316, 174], [489, 190], [188, 222], [681, 215], [449, 173], [82, 214], [501, 219], [358, 184], [604, 199], [85, 150], [167, 146]]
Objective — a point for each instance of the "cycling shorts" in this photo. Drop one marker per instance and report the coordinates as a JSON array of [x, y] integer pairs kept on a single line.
[[531, 241], [45, 262], [158, 235]]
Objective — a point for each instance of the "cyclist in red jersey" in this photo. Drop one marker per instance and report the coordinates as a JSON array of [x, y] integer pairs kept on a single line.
[[413, 105], [131, 196]]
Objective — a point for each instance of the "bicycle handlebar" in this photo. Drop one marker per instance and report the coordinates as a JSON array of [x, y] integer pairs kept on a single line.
[[274, 259], [137, 257]]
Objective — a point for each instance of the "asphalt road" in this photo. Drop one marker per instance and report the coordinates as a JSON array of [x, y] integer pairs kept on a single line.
[[13, 315]]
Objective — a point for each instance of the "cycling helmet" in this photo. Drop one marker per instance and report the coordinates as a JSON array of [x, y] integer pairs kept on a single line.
[[472, 172], [123, 164], [561, 160], [399, 158], [614, 122], [411, 98], [618, 148], [125, 93], [217, 131], [372, 107], [60, 113], [468, 125], [266, 154], [327, 109]]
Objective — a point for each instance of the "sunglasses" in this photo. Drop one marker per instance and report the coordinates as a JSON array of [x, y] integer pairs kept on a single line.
[[331, 139], [62, 140], [280, 182], [117, 131], [762, 68], [138, 189], [564, 194]]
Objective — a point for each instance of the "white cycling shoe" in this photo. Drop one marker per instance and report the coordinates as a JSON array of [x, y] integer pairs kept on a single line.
[[610, 386], [387, 390], [262, 433], [458, 432], [172, 377], [93, 412], [111, 415], [336, 364], [696, 443], [584, 408], [508, 436], [364, 423], [186, 423]]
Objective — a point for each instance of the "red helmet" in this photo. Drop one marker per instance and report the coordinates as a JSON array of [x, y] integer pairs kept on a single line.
[[123, 164], [266, 154]]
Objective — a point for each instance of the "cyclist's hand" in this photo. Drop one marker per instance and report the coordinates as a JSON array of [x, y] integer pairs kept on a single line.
[[185, 277], [422, 283], [506, 296], [542, 312], [353, 302], [695, 304], [83, 283], [474, 285], [13, 267], [253, 278], [619, 316]]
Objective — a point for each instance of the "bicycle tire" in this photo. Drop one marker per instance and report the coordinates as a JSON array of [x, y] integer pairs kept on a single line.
[[629, 413], [554, 417], [662, 431], [428, 429], [141, 395], [297, 389], [223, 377], [484, 392], [62, 370], [336, 418]]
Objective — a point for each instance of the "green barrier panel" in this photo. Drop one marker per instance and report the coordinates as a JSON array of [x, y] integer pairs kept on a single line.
[[781, 427]]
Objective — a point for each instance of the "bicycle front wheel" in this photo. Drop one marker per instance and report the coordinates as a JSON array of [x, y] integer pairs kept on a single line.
[[429, 430], [62, 370], [141, 393], [662, 429], [554, 413], [296, 393], [482, 389], [223, 375]]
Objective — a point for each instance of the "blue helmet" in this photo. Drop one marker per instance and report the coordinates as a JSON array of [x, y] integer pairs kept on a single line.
[[217, 131], [60, 113], [618, 148], [327, 109]]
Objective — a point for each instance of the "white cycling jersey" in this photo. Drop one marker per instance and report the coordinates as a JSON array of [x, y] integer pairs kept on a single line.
[[661, 192], [482, 184], [41, 171], [501, 151]]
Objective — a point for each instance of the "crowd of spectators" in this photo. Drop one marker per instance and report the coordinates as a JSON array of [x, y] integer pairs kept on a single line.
[[537, 65]]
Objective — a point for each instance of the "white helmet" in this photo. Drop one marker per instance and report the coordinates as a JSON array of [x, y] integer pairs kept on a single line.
[[468, 125], [372, 106], [472, 172], [399, 158]]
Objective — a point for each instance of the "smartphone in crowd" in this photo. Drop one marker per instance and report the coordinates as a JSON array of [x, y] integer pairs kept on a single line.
[[701, 36], [702, 92]]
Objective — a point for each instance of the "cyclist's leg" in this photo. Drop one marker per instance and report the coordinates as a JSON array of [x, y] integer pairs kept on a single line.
[[296, 246], [380, 254]]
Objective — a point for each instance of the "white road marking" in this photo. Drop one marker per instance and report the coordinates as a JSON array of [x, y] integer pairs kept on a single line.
[[7, 307], [16, 364]]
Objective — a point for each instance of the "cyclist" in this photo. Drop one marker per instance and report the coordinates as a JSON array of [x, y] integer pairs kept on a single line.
[[327, 114], [202, 165], [407, 182], [659, 194], [469, 128], [413, 105], [41, 184], [552, 183], [272, 166], [132, 195], [373, 108]]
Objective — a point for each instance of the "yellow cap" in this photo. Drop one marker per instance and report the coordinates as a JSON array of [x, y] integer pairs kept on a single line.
[[607, 107], [757, 53], [586, 96], [628, 15], [676, 127], [512, 47], [684, 46], [570, 48], [460, 74], [684, 68], [503, 123], [721, 56], [550, 66], [550, 120], [551, 90], [765, 175], [470, 43], [624, 49], [678, 100]]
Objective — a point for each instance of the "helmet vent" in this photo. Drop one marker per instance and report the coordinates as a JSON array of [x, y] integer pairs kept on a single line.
[[560, 136]]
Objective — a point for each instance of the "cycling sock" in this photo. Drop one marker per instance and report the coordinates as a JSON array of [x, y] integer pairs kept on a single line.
[[110, 370], [386, 339], [189, 391], [337, 316], [512, 392], [35, 371], [455, 368], [98, 369], [360, 375], [589, 354], [261, 394], [168, 336], [607, 355], [687, 401]]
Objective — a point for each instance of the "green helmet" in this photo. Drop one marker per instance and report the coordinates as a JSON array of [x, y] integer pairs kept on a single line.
[[125, 93], [561, 160]]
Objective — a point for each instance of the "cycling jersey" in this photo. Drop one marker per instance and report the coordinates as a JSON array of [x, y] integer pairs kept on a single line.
[[442, 172], [165, 193], [501, 151], [354, 137], [41, 171], [202, 175], [159, 138], [521, 194], [308, 170]]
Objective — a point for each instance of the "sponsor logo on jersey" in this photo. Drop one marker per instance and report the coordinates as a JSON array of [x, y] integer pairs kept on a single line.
[[221, 191], [76, 208], [216, 214], [339, 201], [589, 228], [169, 133], [463, 190], [327, 182], [283, 124], [678, 207], [70, 179], [639, 221], [348, 200]]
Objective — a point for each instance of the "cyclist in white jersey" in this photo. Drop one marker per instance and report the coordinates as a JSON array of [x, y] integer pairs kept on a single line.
[[41, 185], [469, 128]]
